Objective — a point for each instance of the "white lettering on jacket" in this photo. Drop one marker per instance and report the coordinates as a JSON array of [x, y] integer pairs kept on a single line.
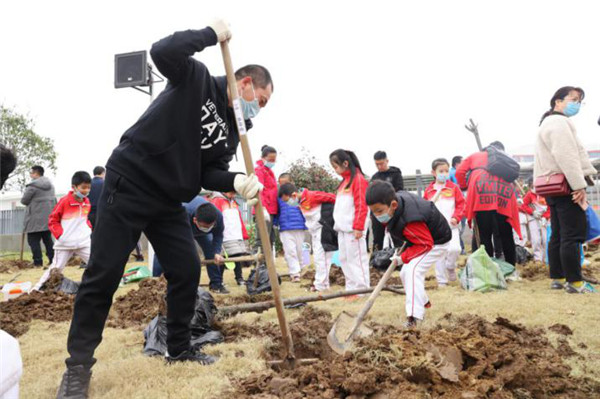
[[214, 128]]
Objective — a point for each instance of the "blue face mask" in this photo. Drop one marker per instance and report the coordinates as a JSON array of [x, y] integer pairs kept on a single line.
[[269, 165], [383, 218], [442, 177], [572, 108], [293, 202], [250, 108], [78, 194]]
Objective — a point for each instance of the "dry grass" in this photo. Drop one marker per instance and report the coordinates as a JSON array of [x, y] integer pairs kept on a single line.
[[122, 371]]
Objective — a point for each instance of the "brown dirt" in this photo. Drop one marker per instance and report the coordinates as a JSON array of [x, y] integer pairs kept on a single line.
[[561, 329], [16, 314], [53, 282], [461, 357], [138, 307], [228, 300], [74, 261], [534, 271], [12, 265]]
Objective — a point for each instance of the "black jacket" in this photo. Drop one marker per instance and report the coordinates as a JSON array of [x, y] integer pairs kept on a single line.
[[94, 195], [393, 175], [187, 137], [329, 238], [412, 208]]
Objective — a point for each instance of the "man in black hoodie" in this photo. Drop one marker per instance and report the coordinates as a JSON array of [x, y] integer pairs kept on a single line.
[[181, 144], [392, 175]]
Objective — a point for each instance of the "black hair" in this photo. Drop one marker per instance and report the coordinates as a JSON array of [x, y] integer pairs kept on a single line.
[[98, 170], [456, 160], [266, 150], [380, 192], [38, 169], [287, 189], [8, 163], [261, 77], [439, 161], [340, 156], [207, 213], [560, 95], [80, 178], [498, 145], [379, 155]]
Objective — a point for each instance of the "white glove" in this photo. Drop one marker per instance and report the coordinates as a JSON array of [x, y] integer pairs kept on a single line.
[[248, 187], [221, 28], [397, 260]]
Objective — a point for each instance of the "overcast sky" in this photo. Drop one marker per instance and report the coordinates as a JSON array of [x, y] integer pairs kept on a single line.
[[399, 76]]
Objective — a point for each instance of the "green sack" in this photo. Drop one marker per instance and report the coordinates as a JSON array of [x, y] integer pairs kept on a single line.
[[481, 273], [506, 268], [136, 274]]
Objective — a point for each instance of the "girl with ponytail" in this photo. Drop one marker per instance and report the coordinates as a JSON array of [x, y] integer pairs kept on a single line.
[[351, 219]]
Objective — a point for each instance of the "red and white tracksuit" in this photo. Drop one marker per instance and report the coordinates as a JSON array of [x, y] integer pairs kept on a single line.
[[418, 259], [69, 224], [534, 229], [310, 204], [451, 203], [351, 214], [234, 232]]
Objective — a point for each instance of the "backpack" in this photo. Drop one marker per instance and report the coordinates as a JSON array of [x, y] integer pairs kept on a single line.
[[502, 165]]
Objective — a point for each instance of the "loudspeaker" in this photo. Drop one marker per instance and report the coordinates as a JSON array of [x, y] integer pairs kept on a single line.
[[131, 69]]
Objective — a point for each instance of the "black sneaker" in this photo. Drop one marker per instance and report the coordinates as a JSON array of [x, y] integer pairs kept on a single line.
[[75, 383], [192, 355], [240, 281], [219, 290]]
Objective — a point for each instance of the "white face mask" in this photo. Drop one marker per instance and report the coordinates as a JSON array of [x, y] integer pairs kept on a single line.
[[205, 229]]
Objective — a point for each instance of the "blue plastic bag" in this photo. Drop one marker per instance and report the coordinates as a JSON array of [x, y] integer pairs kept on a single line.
[[593, 224]]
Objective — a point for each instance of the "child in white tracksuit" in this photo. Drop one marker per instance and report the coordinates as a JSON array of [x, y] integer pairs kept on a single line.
[[535, 215], [69, 224], [351, 216], [450, 201], [312, 203], [420, 225]]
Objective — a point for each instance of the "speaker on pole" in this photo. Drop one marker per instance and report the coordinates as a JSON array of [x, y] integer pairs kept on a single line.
[[131, 69]]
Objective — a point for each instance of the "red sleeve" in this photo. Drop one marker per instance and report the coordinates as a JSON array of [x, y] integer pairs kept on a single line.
[[429, 192], [245, 234], [419, 236], [321, 197], [55, 218], [359, 192], [526, 208], [260, 173], [461, 173], [460, 205], [546, 214]]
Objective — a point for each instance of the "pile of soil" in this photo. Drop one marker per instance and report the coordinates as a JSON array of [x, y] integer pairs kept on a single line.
[[138, 307], [534, 270], [461, 357], [228, 300], [12, 265], [17, 313]]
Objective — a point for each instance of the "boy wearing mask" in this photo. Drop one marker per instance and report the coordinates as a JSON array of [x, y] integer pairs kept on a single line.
[[450, 201]]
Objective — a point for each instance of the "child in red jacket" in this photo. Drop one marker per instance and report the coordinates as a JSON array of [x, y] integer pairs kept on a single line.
[[351, 220], [69, 224], [449, 200], [537, 217]]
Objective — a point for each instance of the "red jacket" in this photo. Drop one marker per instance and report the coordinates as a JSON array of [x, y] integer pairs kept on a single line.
[[311, 199], [529, 202], [268, 196], [487, 192], [223, 203], [420, 237], [351, 210], [69, 223], [449, 190]]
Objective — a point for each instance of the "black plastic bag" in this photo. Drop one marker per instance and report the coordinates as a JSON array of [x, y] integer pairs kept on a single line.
[[204, 313], [68, 286], [523, 255], [263, 284], [155, 335], [381, 260]]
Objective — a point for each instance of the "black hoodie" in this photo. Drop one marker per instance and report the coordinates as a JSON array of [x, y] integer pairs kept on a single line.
[[187, 137], [393, 175]]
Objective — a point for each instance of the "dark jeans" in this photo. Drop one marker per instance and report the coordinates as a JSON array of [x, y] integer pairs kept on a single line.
[[215, 274], [378, 233], [496, 242], [569, 228], [124, 211], [33, 239], [485, 223]]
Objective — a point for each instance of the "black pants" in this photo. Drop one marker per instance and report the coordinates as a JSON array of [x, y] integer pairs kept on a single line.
[[569, 228], [485, 224], [378, 233], [270, 230], [92, 218], [124, 211], [33, 239]]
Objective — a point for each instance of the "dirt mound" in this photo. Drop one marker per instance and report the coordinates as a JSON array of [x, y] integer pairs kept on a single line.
[[74, 261], [16, 314], [534, 270], [461, 357], [561, 329], [54, 281], [228, 300], [138, 307], [12, 265]]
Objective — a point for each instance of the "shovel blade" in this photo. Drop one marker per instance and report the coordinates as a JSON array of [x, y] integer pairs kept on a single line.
[[338, 337]]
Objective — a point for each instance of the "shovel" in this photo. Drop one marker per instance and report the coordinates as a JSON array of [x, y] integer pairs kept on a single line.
[[347, 327]]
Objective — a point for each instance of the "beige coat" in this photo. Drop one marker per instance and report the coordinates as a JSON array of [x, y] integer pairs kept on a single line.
[[558, 150]]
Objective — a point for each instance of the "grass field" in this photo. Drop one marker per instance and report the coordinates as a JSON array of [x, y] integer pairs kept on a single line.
[[123, 372]]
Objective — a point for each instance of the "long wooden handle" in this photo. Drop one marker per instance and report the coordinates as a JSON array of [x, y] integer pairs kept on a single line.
[[248, 258], [363, 312], [260, 216]]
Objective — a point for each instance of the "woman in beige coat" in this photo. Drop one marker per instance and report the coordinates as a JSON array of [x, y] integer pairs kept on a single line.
[[558, 150]]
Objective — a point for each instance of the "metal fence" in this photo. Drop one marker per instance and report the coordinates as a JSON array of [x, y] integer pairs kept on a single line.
[[11, 221]]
